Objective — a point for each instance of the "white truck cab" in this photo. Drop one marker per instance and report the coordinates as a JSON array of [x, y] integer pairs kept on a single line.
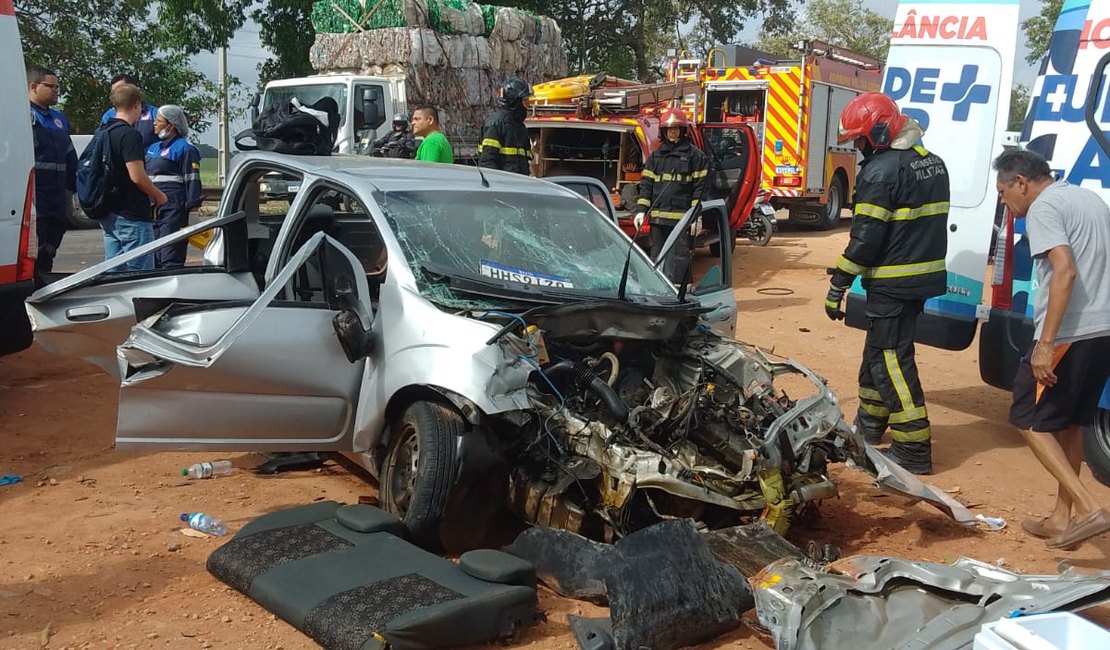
[[18, 243], [366, 103]]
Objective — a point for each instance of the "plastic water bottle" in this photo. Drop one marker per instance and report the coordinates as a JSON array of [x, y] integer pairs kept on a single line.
[[208, 470], [204, 523]]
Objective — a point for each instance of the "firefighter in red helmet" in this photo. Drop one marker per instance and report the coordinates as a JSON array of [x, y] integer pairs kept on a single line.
[[897, 249], [673, 181]]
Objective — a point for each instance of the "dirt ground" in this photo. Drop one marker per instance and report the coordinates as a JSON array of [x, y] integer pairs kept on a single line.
[[90, 556]]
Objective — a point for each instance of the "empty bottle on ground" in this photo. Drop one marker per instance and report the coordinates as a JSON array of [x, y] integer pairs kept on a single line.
[[208, 470], [204, 523]]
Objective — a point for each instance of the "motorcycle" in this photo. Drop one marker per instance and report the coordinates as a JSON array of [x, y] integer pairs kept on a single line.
[[759, 225]]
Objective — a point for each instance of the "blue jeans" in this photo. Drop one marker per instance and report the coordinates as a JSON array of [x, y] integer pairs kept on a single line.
[[122, 235]]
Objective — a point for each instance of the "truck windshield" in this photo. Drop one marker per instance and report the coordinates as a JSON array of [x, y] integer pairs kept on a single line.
[[308, 94], [555, 245]]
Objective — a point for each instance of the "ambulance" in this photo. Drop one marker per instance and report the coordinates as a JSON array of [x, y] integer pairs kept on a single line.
[[18, 244]]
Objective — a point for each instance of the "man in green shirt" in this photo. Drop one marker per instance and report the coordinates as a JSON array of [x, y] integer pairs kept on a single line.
[[435, 147]]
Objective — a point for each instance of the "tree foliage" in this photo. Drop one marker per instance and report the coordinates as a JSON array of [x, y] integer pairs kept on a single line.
[[87, 43], [286, 30], [1038, 30], [844, 23], [1019, 106]]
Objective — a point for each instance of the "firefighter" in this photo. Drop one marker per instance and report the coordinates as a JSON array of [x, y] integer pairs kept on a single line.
[[897, 248], [504, 144], [173, 165], [672, 182]]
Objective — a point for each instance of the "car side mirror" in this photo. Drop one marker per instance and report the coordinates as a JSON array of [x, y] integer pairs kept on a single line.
[[256, 99], [356, 341], [371, 112]]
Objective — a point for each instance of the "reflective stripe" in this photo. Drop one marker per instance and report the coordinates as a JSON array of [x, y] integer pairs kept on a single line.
[[50, 167], [873, 211], [898, 379], [514, 151], [667, 214], [647, 173], [921, 150], [870, 393], [927, 210], [877, 411], [694, 202], [901, 417], [904, 270], [701, 173], [920, 435], [642, 201], [192, 176], [678, 178], [167, 178], [832, 304], [848, 266], [489, 142]]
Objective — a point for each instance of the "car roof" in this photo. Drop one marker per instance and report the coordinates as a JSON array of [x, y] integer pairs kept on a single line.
[[392, 174]]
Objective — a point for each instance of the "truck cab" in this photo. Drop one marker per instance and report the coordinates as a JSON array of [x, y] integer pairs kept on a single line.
[[365, 103]]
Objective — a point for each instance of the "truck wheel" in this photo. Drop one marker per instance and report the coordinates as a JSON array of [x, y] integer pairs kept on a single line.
[[75, 216], [419, 468], [1096, 446], [831, 218]]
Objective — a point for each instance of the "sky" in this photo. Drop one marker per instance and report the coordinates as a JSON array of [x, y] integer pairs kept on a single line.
[[246, 52]]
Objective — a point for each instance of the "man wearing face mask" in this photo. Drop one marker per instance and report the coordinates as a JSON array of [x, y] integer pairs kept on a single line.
[[173, 164]]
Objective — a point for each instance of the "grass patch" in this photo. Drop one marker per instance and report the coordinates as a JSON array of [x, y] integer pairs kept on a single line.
[[209, 172]]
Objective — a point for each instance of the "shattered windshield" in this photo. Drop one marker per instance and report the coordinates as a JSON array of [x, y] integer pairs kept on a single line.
[[556, 245]]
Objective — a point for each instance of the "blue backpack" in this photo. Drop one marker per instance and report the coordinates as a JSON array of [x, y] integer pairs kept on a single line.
[[95, 177]]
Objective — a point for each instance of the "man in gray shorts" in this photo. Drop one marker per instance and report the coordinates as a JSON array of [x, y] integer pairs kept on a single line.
[[1058, 384]]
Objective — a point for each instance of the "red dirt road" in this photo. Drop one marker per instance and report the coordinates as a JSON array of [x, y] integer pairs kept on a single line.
[[85, 549]]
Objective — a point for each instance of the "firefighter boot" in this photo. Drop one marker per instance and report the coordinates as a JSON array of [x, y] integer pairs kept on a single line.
[[914, 457], [871, 431]]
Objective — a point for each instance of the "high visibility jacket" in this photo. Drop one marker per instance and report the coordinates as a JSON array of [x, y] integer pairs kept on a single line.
[[505, 143], [899, 227], [145, 125], [55, 162], [673, 180], [174, 168]]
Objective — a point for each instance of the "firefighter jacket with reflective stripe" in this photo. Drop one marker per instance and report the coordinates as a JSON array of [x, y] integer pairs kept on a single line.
[[504, 143], [899, 226], [145, 125], [673, 180], [55, 162], [174, 168]]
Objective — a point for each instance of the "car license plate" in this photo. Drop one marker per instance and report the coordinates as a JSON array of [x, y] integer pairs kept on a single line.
[[767, 210]]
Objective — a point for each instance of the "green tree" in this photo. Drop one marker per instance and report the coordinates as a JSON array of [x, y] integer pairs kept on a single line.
[[286, 30], [844, 23], [87, 43], [1038, 30], [1019, 106]]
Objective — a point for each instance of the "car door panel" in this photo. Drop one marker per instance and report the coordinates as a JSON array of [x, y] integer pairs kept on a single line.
[[89, 313], [271, 375]]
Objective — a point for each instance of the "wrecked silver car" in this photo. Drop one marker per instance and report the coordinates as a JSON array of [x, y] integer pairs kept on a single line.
[[471, 338]]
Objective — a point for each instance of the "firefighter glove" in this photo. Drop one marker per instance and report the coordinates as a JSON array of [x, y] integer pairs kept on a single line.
[[832, 302], [638, 220]]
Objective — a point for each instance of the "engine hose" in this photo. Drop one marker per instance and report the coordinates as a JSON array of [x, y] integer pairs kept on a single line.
[[615, 367], [595, 385]]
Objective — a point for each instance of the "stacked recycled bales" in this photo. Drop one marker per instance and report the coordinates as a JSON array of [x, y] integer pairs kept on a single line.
[[454, 54]]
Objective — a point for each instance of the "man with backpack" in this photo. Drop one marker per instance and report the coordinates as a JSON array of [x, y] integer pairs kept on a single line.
[[124, 190], [55, 167], [145, 124]]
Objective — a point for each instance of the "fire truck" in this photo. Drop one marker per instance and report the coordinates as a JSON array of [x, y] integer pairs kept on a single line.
[[790, 107]]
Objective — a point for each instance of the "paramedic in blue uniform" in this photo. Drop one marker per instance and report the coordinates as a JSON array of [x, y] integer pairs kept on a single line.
[[173, 164], [145, 125], [55, 167]]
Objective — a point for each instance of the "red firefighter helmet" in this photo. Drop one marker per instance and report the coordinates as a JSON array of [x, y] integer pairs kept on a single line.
[[872, 116], [671, 117]]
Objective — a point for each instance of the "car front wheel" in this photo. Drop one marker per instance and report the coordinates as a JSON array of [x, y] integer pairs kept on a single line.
[[419, 468], [1096, 446]]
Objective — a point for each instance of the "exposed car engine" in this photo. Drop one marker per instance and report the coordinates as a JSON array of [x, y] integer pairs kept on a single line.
[[630, 431]]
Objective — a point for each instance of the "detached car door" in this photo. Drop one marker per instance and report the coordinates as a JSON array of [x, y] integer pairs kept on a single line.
[[281, 372], [89, 313]]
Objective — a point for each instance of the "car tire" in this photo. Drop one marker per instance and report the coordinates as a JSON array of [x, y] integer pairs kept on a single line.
[[1096, 446], [75, 216], [15, 327], [419, 468], [834, 206]]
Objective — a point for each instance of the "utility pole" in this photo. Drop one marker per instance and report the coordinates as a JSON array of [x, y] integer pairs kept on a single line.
[[224, 144]]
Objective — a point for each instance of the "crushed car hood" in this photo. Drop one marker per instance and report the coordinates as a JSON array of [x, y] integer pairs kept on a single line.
[[866, 602]]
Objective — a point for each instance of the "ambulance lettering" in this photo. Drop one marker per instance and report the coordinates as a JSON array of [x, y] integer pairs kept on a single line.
[[920, 87], [1062, 99], [1097, 35], [964, 28]]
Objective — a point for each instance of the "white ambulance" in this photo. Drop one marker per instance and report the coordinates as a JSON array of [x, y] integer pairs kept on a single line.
[[18, 243]]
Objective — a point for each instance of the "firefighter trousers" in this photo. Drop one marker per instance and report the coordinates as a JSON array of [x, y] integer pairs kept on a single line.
[[677, 263], [890, 391]]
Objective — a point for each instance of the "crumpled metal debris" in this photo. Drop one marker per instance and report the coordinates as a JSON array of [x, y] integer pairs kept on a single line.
[[865, 602], [892, 478]]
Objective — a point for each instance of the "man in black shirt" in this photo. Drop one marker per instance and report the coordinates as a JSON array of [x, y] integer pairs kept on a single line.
[[130, 221]]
